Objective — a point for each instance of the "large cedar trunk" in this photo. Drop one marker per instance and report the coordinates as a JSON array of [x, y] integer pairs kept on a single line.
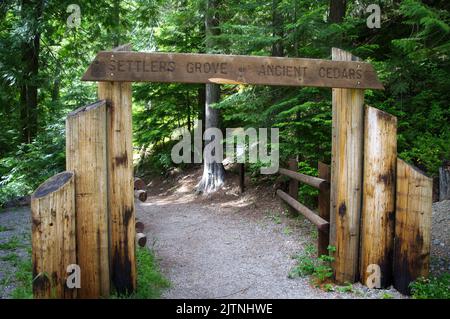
[[213, 172], [337, 11], [277, 25]]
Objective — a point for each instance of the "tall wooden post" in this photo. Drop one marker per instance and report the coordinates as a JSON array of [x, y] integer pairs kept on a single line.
[[86, 156], [293, 184], [53, 236], [122, 231], [378, 212], [346, 176], [412, 226], [324, 209]]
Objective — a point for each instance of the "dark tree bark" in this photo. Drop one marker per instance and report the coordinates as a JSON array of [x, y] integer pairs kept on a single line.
[[31, 13], [277, 25], [337, 11], [116, 13], [444, 181], [213, 173]]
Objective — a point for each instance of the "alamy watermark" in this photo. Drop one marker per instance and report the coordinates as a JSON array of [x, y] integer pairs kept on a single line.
[[374, 19], [238, 143]]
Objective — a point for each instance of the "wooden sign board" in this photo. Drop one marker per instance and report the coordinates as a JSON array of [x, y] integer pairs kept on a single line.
[[230, 69]]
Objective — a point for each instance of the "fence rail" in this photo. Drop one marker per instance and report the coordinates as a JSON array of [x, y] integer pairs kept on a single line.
[[320, 219]]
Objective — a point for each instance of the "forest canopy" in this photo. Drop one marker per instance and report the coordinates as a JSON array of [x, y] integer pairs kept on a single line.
[[43, 57]]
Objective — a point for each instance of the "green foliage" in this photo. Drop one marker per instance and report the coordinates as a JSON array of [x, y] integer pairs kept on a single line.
[[150, 281], [432, 288], [318, 268], [23, 274], [410, 54], [33, 163]]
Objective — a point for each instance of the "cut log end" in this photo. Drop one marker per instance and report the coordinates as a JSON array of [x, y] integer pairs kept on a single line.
[[53, 184], [141, 239], [141, 195]]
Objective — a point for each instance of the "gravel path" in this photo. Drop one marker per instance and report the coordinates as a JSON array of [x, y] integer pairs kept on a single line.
[[211, 249]]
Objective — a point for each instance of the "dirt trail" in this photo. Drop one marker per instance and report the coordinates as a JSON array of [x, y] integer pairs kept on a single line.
[[230, 246]]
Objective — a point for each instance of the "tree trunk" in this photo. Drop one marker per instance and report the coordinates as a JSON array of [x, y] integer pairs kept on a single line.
[[277, 25], [31, 12], [213, 172], [444, 181], [337, 11]]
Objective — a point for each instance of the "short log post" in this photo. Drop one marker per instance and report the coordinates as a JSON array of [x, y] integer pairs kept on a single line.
[[53, 237], [139, 184], [140, 195], [120, 185], [378, 209], [412, 226], [141, 239], [324, 209], [293, 184], [241, 177], [346, 176], [86, 157], [139, 227]]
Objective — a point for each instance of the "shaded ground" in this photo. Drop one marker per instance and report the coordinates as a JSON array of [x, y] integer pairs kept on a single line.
[[230, 246]]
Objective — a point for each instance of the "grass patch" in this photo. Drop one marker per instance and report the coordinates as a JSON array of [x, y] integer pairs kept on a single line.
[[24, 277], [432, 288], [318, 268], [12, 258], [11, 244], [150, 282], [4, 228]]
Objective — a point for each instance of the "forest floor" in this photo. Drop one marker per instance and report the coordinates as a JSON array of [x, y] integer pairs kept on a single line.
[[222, 246]]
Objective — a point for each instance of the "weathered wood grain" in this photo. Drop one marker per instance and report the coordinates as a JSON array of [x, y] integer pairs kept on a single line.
[[293, 183], [321, 224], [231, 69], [120, 184], [346, 176], [412, 226], [53, 236], [312, 181], [324, 208], [378, 208], [86, 157]]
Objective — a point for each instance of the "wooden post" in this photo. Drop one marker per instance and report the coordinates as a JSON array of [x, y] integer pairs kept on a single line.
[[378, 208], [346, 176], [141, 195], [86, 157], [241, 177], [139, 184], [53, 236], [293, 184], [324, 209], [122, 231], [412, 226]]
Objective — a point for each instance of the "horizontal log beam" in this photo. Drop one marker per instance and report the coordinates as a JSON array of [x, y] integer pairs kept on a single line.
[[230, 69], [313, 181], [321, 223]]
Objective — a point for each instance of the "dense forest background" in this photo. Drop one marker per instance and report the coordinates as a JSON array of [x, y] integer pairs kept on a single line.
[[42, 60]]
